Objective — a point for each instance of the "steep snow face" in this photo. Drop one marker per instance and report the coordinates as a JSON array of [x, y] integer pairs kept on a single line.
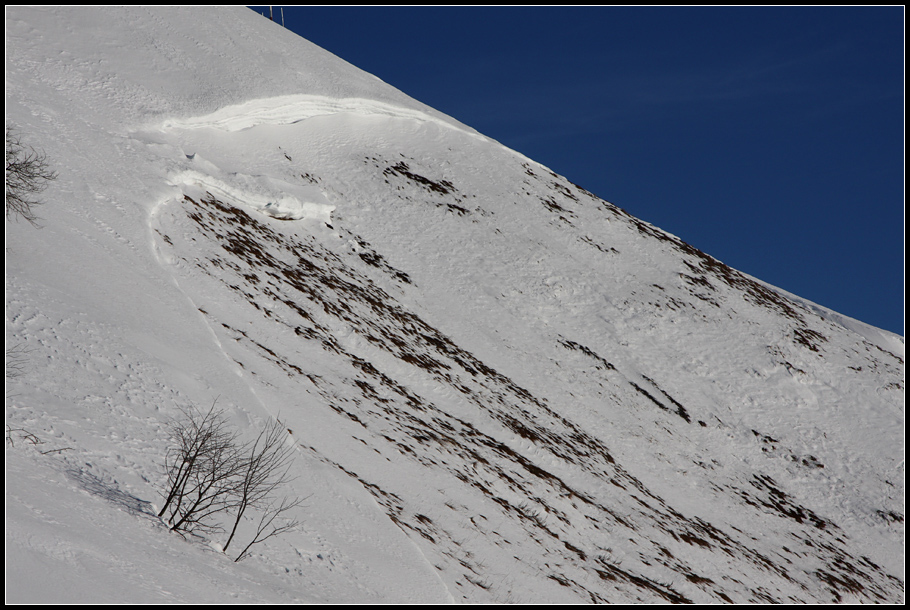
[[500, 387]]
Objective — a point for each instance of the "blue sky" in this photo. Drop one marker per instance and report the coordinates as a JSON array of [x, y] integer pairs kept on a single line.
[[770, 138]]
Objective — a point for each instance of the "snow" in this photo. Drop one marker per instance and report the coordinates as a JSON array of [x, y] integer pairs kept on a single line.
[[287, 109], [260, 194], [500, 388]]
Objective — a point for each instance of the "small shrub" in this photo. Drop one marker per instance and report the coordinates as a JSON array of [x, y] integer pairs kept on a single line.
[[214, 479], [202, 465], [27, 174], [16, 360], [264, 470]]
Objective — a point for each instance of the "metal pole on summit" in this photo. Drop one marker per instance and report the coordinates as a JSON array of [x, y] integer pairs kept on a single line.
[[282, 16], [270, 14]]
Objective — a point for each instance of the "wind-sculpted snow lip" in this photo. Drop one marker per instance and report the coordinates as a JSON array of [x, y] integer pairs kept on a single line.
[[284, 110], [269, 201], [289, 109]]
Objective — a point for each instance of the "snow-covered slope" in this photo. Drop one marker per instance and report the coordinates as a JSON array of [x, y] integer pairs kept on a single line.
[[499, 387]]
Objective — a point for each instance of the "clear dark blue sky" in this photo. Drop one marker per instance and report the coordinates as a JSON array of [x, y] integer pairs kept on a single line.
[[770, 138]]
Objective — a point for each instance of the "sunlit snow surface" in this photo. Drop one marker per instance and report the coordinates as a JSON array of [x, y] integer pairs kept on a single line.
[[500, 387]]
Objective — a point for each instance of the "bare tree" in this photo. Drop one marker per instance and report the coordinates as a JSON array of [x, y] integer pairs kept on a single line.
[[265, 470], [213, 478], [27, 174], [202, 467]]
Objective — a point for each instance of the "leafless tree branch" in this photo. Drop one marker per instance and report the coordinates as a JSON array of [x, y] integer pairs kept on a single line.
[[202, 467], [27, 174], [213, 479], [265, 470], [266, 529]]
